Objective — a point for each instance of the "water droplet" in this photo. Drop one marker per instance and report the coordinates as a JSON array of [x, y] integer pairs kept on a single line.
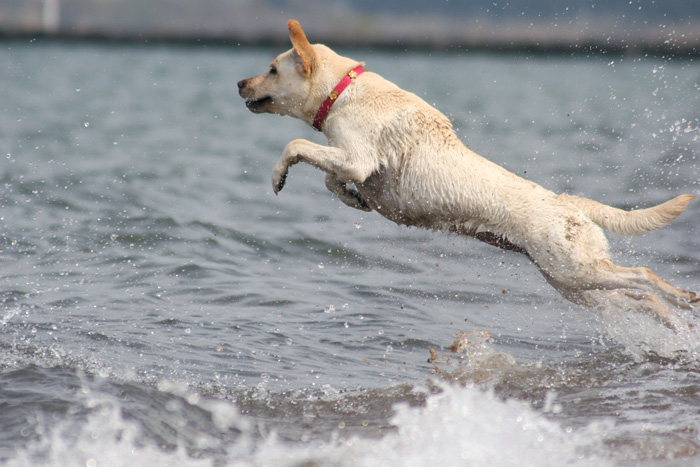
[[193, 399], [329, 309]]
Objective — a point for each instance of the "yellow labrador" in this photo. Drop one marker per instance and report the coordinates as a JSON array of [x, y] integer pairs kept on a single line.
[[406, 163]]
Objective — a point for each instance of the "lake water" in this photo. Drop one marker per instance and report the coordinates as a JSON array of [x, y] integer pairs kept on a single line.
[[160, 306]]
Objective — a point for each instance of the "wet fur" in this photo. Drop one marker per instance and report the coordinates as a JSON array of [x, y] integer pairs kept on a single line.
[[406, 163]]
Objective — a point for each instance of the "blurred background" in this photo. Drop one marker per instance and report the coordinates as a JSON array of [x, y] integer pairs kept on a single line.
[[636, 26]]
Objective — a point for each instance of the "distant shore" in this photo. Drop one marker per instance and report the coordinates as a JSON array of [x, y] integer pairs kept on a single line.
[[505, 40]]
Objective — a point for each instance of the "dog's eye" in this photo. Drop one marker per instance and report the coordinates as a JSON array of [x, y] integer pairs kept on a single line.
[[273, 70]]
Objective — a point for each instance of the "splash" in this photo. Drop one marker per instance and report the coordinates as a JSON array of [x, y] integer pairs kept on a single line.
[[458, 426], [105, 438], [643, 334]]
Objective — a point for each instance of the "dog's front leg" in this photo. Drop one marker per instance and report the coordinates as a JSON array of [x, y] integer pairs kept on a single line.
[[347, 195], [331, 160]]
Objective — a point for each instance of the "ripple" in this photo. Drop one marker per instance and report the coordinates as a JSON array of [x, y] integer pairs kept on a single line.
[[190, 271]]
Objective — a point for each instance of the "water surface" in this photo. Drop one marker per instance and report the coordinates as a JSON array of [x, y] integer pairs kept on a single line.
[[158, 304]]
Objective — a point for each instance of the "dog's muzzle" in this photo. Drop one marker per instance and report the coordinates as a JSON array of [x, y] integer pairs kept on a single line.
[[253, 104]]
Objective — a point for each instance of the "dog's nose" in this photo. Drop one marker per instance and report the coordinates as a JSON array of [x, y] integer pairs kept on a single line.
[[242, 83]]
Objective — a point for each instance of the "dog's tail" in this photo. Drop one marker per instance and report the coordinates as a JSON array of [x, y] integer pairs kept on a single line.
[[634, 222]]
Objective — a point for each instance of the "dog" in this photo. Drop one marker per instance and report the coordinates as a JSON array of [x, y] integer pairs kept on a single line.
[[406, 162]]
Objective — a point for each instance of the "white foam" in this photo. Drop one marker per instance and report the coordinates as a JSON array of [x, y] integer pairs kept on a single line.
[[459, 426], [8, 314], [105, 439]]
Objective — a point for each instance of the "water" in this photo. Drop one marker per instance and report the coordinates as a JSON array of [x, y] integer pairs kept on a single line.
[[159, 305]]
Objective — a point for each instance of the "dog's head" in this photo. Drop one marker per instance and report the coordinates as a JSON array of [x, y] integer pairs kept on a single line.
[[297, 81]]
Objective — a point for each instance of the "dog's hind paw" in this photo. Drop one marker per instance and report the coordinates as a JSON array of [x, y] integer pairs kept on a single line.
[[694, 299]]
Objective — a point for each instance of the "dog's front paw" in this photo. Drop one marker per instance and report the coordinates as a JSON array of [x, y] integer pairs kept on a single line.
[[279, 173], [279, 177], [290, 156]]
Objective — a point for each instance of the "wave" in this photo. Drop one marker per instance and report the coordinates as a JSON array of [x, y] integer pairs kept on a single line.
[[457, 426], [486, 408]]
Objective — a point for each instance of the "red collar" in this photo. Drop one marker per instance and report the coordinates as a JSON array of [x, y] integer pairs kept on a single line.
[[340, 87]]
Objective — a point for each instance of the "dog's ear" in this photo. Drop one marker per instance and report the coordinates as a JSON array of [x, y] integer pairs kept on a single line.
[[302, 46]]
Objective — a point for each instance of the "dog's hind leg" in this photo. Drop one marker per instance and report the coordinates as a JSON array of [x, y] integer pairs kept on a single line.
[[607, 275], [627, 300], [647, 304]]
